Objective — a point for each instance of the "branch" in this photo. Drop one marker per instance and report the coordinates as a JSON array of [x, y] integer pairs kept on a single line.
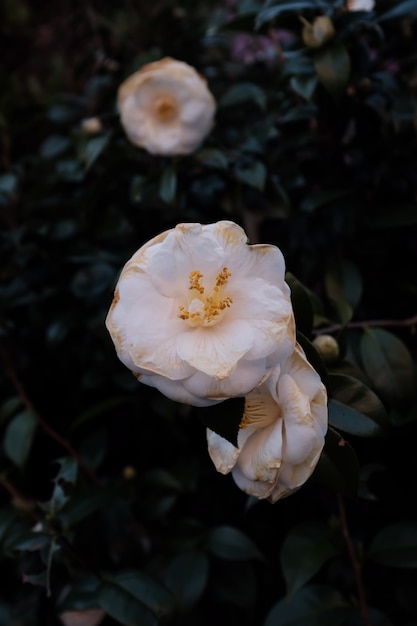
[[409, 321], [357, 568], [64, 443]]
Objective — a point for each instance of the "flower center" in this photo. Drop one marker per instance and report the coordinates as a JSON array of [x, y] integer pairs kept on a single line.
[[165, 108], [206, 311]]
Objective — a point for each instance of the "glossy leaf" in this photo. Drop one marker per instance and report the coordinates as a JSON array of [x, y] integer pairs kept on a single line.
[[132, 597], [187, 577], [400, 9], [241, 93], [19, 436], [338, 467], [251, 173], [395, 545], [168, 185], [354, 408], [389, 365], [311, 606], [306, 548], [230, 543], [344, 283], [303, 308], [332, 65]]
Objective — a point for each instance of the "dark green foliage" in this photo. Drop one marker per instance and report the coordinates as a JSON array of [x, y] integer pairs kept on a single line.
[[110, 507]]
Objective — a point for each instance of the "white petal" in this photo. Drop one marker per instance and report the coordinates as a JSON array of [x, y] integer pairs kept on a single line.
[[247, 375], [215, 350], [222, 452], [175, 390], [185, 249]]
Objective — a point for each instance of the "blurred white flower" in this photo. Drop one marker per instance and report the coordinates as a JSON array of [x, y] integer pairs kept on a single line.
[[201, 315], [92, 126], [319, 32], [166, 107], [281, 435], [360, 5]]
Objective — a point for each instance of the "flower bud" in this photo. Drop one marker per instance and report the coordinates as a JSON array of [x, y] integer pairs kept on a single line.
[[92, 126], [327, 347], [319, 32]]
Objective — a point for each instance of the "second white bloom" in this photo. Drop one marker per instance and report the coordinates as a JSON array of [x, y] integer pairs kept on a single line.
[[281, 435]]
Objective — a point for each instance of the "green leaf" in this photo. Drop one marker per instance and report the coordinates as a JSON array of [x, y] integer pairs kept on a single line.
[[338, 467], [251, 173], [94, 148], [311, 606], [213, 158], [187, 577], [306, 548], [354, 408], [241, 93], [168, 185], [332, 65], [302, 305], [395, 546], [271, 13], [223, 418], [347, 419], [19, 436], [344, 283], [232, 544], [134, 599], [409, 7], [304, 85], [395, 217], [389, 365]]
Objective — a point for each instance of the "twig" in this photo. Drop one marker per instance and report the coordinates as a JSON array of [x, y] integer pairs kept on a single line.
[[409, 321], [357, 568], [64, 443]]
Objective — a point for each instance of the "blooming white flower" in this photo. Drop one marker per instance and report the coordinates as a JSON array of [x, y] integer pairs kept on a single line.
[[166, 107], [360, 5], [201, 315], [281, 435]]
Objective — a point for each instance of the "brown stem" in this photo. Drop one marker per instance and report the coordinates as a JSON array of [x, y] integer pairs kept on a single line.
[[409, 321], [64, 443], [357, 568]]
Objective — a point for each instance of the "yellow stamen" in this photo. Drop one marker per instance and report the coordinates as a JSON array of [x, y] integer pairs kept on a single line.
[[165, 108], [206, 311]]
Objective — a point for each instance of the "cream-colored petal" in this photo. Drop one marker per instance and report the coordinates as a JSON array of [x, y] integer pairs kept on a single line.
[[217, 349], [175, 390], [222, 452], [247, 375]]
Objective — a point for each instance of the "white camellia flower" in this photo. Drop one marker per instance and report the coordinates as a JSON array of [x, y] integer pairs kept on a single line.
[[281, 435], [201, 315], [166, 107], [360, 5]]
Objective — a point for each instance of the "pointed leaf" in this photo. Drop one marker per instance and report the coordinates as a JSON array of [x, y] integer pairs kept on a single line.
[[338, 467], [332, 65], [389, 365], [19, 436], [302, 305], [395, 546], [230, 543], [311, 606], [187, 577], [305, 550]]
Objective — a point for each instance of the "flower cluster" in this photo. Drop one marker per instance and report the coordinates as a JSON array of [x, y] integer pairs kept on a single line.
[[203, 317], [166, 108]]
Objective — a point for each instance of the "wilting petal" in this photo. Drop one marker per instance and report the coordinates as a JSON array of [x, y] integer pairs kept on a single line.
[[222, 452]]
